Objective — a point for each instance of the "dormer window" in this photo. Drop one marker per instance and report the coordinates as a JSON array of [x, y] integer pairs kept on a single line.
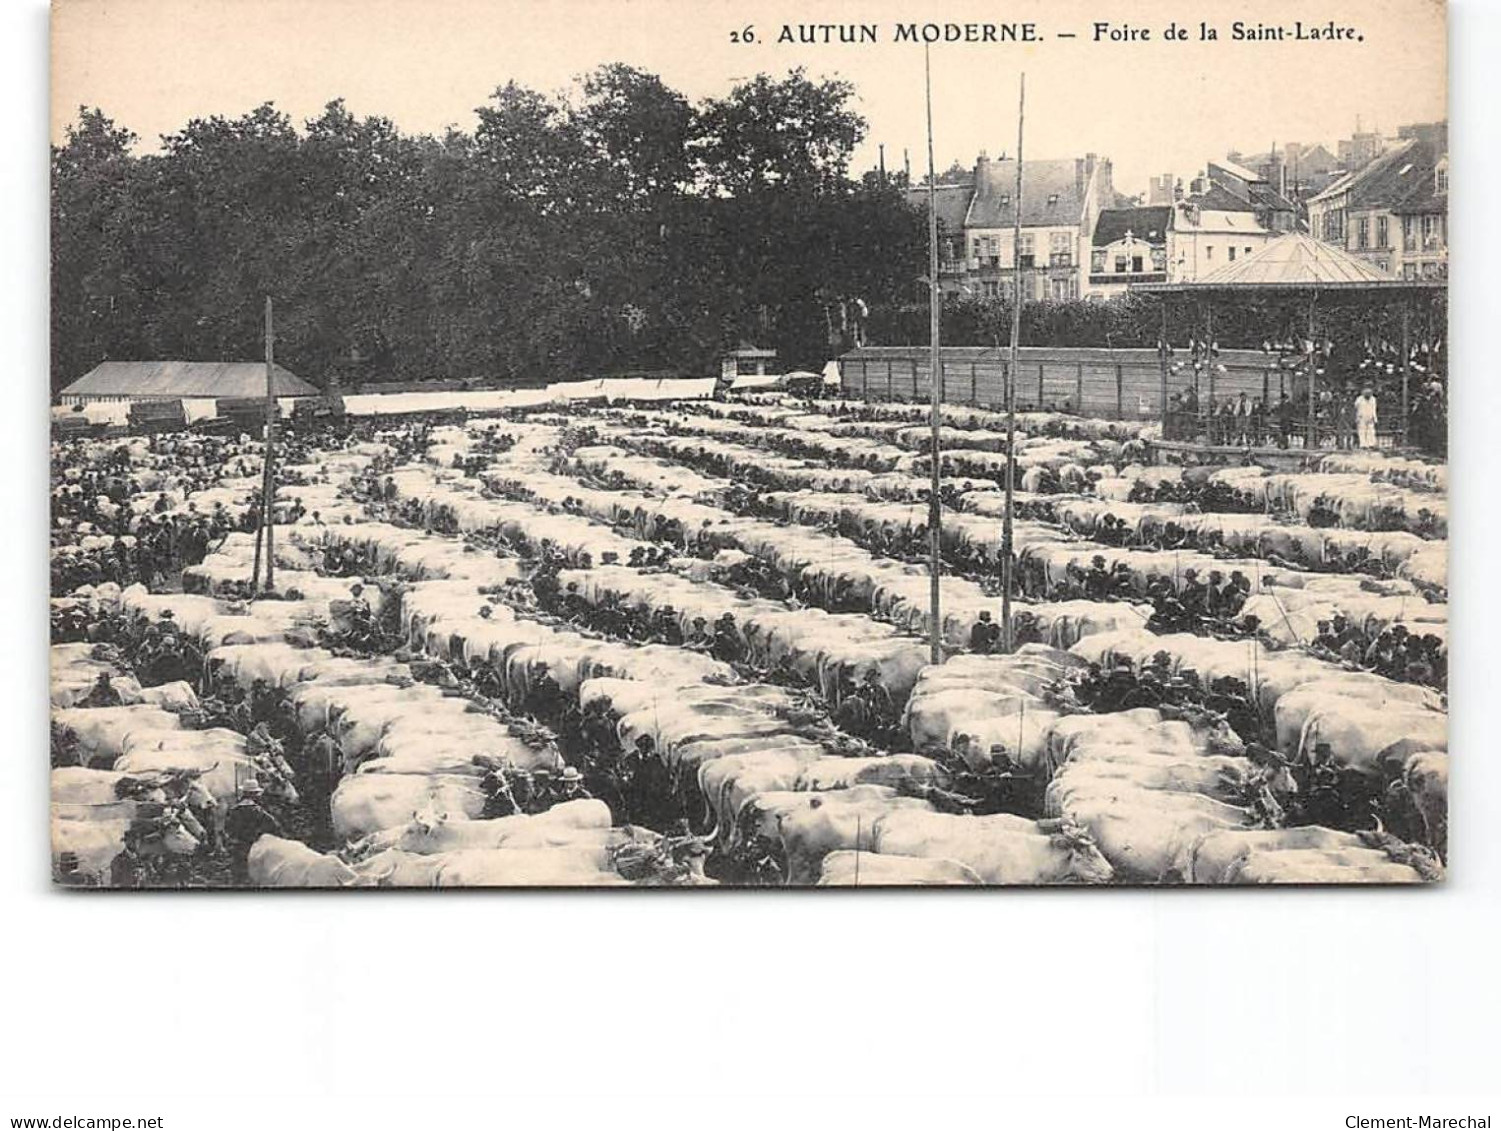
[[1441, 178], [1052, 200], [1005, 200]]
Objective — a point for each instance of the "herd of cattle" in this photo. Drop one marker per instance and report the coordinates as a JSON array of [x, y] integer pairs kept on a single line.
[[612, 565]]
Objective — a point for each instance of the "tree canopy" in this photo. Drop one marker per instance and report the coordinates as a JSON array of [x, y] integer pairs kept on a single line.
[[615, 227]]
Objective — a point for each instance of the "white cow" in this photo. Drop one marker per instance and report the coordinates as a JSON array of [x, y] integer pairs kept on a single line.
[[427, 834], [275, 862], [366, 803], [999, 849], [851, 868]]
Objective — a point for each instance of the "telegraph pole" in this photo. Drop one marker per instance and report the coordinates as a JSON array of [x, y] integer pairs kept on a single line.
[[935, 381], [268, 478], [1008, 641]]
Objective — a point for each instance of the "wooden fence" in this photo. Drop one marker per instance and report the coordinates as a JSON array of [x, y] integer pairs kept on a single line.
[[1124, 384]]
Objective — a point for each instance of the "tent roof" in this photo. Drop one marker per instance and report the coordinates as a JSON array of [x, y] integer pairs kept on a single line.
[[1295, 261], [186, 379]]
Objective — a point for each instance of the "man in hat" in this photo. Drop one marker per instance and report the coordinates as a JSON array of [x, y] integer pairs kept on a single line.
[[570, 785], [102, 694], [1193, 595], [699, 638], [852, 715], [1097, 582], [544, 697], [1324, 805], [597, 728], [362, 620], [323, 765], [1237, 592], [727, 645], [881, 707], [1214, 592], [129, 869], [980, 639], [166, 663], [665, 626], [1365, 418], [67, 872], [263, 701], [246, 823]]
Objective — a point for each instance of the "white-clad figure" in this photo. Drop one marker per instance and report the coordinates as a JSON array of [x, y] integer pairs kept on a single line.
[[1365, 418]]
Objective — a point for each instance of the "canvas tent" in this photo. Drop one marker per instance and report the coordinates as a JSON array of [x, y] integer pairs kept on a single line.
[[170, 380]]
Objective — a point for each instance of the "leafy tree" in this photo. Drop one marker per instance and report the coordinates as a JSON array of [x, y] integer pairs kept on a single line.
[[616, 227]]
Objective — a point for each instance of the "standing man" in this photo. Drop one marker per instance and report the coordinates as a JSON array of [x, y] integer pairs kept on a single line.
[[323, 766], [246, 823], [1365, 418]]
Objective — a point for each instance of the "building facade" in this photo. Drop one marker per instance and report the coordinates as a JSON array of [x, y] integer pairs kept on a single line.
[[1393, 213], [1209, 232], [979, 254], [1129, 245], [1174, 243]]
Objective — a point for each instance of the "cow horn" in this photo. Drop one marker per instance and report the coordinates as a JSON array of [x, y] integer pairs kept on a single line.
[[381, 879]]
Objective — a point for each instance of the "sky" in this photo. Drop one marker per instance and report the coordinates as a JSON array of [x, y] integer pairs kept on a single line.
[[1152, 106]]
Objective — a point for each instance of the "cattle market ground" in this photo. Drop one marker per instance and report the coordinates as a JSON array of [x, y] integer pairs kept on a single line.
[[687, 644]]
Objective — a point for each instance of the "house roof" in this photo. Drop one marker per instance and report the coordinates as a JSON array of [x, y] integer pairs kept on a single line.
[[1217, 198], [187, 379], [1387, 183], [1194, 217], [1316, 157], [1238, 170], [1269, 197], [951, 202], [1387, 179], [1424, 197], [1052, 193], [1149, 224]]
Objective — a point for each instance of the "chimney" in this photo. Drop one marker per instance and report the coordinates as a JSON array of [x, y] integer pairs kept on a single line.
[[1078, 176], [982, 174]]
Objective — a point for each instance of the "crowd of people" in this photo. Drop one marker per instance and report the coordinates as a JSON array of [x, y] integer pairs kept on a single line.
[[1395, 651], [1343, 419]]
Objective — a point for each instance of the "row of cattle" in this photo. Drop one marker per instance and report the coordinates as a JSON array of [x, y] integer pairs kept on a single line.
[[787, 765], [1295, 600], [1406, 525], [813, 835], [407, 747], [1249, 662], [1363, 490]]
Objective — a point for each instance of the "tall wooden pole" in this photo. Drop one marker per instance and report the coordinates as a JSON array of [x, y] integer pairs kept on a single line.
[[268, 487], [1313, 401], [1008, 640], [935, 382], [1162, 367], [1209, 362], [1406, 361]]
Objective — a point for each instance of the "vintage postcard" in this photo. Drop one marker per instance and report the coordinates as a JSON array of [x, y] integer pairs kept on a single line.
[[497, 444]]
